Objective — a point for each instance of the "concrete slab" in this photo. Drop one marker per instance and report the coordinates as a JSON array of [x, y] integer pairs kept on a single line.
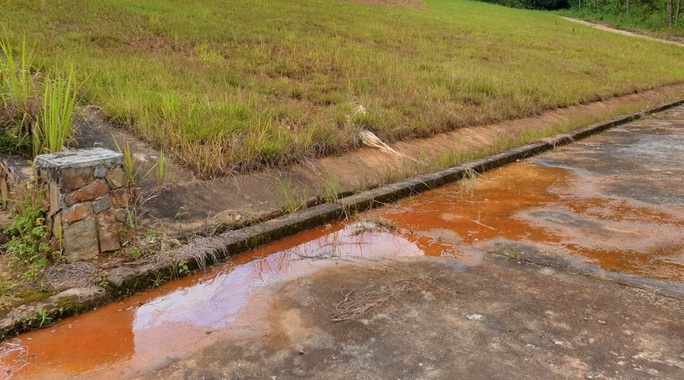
[[501, 319]]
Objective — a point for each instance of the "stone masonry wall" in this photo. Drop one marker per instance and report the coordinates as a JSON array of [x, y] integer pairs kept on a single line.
[[88, 200]]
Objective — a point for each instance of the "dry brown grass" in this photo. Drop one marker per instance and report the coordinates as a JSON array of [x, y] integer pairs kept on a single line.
[[72, 275], [356, 302]]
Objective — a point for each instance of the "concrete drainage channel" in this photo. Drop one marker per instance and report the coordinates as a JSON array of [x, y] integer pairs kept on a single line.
[[201, 252]]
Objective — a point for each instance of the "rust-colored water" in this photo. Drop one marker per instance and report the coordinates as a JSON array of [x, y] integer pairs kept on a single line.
[[148, 331], [557, 209]]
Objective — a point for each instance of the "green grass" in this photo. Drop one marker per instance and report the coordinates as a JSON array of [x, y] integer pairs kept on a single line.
[[19, 100], [53, 127], [25, 126], [227, 86]]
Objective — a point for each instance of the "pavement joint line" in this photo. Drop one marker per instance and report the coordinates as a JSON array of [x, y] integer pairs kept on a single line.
[[125, 281]]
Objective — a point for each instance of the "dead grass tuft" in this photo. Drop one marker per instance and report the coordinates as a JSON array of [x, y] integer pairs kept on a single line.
[[72, 275], [356, 303]]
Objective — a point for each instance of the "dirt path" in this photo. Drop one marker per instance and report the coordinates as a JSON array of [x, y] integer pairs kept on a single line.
[[623, 32]]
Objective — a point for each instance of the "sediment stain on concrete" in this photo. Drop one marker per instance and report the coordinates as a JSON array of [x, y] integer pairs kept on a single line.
[[616, 201]]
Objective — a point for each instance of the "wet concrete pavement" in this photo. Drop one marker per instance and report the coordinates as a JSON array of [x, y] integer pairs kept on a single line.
[[568, 265]]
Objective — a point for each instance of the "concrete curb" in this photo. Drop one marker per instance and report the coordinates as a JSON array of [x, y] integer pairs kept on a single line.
[[123, 281], [206, 251]]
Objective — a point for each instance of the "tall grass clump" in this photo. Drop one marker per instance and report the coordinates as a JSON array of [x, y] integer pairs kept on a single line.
[[19, 99], [36, 109], [53, 127], [17, 81]]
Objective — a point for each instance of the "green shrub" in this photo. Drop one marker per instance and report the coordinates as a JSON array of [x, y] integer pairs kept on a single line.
[[641, 14], [28, 237]]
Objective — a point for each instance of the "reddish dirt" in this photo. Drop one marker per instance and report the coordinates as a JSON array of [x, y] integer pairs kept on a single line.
[[550, 207]]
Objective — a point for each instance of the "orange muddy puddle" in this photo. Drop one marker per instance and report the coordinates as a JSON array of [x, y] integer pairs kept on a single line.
[[560, 211], [148, 331]]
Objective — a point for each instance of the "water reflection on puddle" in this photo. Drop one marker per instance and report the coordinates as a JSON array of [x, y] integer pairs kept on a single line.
[[151, 330]]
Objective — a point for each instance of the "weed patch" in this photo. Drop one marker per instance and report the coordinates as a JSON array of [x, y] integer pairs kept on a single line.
[[28, 245], [292, 198]]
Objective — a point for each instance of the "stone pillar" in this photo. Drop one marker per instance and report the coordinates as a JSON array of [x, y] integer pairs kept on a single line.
[[88, 200]]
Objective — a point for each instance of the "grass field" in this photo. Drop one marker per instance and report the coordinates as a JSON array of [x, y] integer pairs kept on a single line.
[[232, 85]]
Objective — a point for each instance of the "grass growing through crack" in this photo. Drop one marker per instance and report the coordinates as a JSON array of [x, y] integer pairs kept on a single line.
[[234, 85], [293, 199], [130, 162], [133, 167], [331, 186]]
